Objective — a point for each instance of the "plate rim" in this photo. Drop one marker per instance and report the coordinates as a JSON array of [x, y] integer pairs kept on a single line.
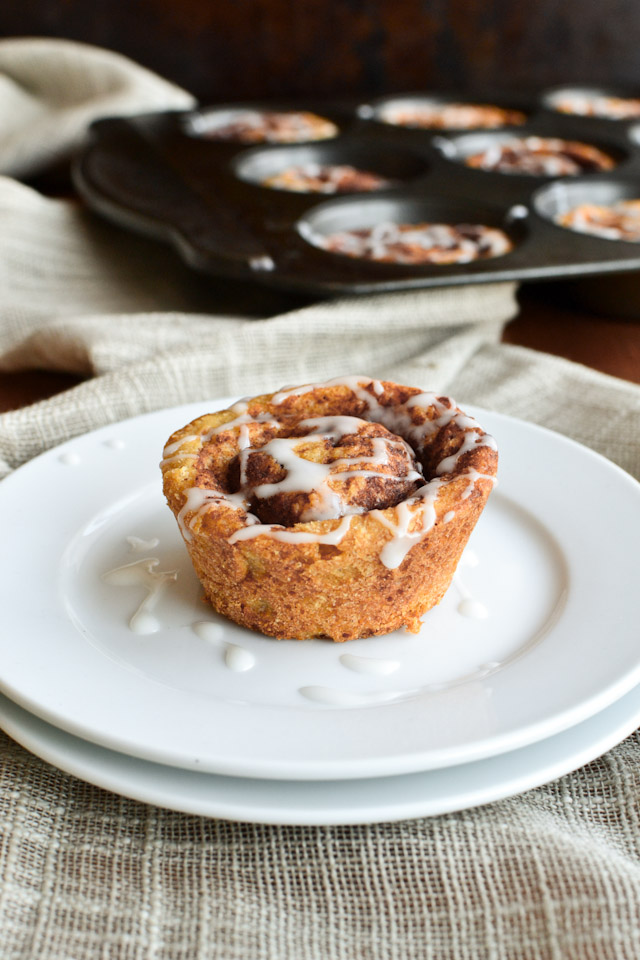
[[52, 745]]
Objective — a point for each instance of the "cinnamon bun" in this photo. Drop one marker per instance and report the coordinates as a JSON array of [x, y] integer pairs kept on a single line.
[[327, 178], [266, 126], [419, 243], [583, 104], [450, 116], [619, 221], [335, 510], [542, 157]]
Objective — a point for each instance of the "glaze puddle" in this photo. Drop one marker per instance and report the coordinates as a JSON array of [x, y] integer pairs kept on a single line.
[[468, 605], [143, 573], [211, 632], [236, 657], [334, 697], [298, 674], [370, 665], [137, 545]]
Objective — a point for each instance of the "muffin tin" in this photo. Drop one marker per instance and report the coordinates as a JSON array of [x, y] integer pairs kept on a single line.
[[159, 174]]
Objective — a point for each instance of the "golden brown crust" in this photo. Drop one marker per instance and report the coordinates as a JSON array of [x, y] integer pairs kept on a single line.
[[337, 584]]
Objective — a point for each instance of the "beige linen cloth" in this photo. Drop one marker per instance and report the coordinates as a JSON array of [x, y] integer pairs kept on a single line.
[[551, 875]]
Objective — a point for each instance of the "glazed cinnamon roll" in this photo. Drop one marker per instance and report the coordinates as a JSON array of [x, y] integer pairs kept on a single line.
[[418, 243], [619, 221], [542, 156], [450, 116], [327, 178], [585, 104], [335, 510], [266, 126]]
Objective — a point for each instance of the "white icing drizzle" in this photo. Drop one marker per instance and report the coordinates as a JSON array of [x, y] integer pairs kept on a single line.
[[238, 658], [333, 697], [306, 476], [369, 665], [286, 535], [470, 558], [409, 522], [142, 573], [448, 517], [137, 545], [244, 440], [469, 606], [473, 609], [470, 441], [172, 448], [396, 549], [243, 419], [206, 630], [198, 501]]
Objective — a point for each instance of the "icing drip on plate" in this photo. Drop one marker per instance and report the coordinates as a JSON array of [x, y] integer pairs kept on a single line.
[[143, 573]]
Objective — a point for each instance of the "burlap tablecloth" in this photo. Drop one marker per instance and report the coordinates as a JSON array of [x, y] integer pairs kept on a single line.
[[86, 874]]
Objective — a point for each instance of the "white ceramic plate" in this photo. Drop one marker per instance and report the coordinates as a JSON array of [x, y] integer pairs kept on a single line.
[[556, 553], [332, 801]]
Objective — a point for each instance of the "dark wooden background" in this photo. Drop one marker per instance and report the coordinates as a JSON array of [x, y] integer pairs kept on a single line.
[[234, 49]]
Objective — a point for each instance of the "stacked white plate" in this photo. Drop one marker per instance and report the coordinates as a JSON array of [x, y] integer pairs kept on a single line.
[[113, 669]]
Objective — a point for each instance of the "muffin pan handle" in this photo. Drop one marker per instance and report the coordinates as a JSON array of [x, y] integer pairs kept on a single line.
[[135, 178]]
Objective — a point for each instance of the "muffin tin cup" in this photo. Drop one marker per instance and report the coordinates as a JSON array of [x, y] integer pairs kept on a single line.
[[398, 165], [458, 149], [367, 211], [553, 95], [374, 111], [202, 122], [561, 196], [156, 173]]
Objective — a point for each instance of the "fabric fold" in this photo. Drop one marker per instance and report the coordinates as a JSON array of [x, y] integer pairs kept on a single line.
[[50, 90]]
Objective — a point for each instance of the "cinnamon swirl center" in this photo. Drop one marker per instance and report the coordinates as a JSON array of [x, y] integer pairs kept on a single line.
[[326, 468]]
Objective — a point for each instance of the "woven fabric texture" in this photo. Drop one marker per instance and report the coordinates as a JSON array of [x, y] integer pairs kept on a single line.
[[85, 874]]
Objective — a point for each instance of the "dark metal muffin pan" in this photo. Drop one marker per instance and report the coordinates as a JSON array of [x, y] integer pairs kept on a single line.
[[159, 174]]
